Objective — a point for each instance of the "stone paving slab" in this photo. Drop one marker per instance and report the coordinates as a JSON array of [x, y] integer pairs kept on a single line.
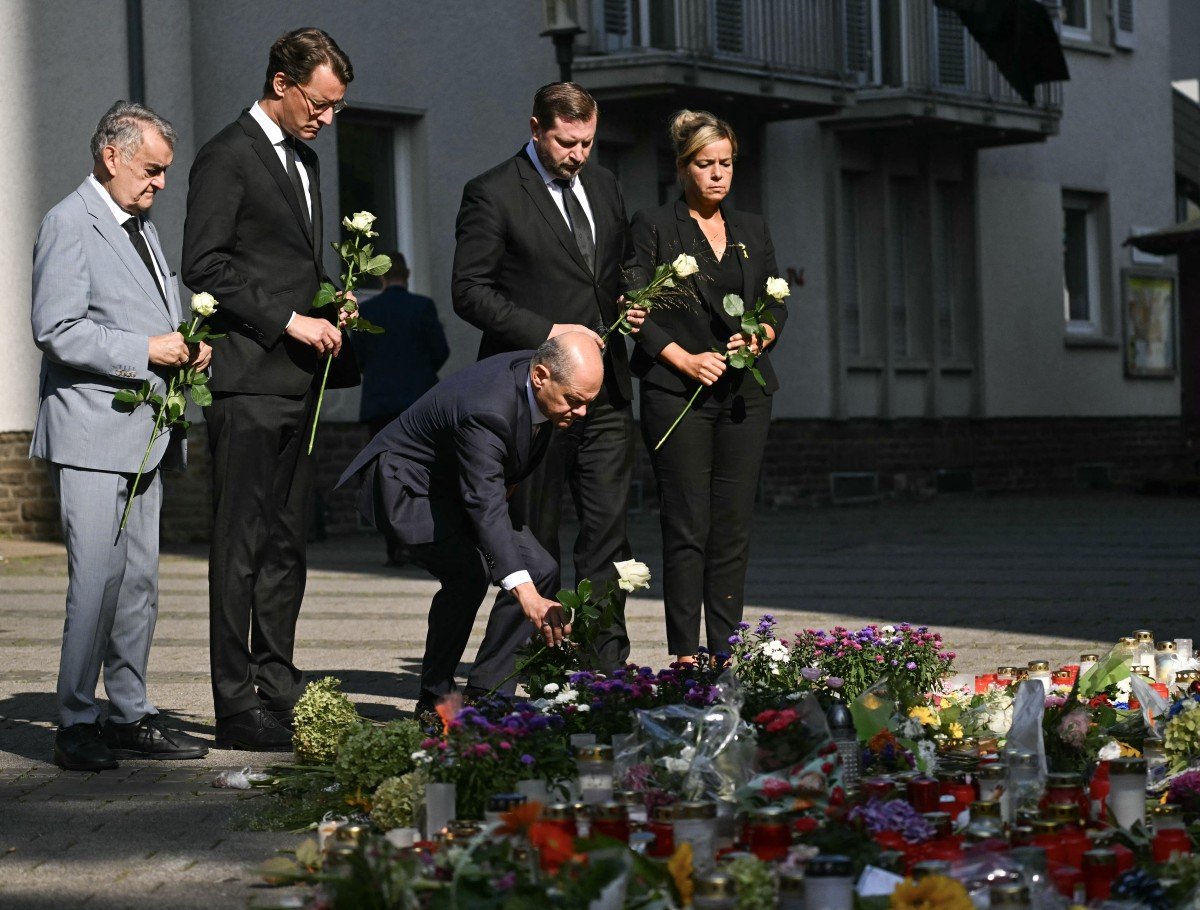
[[1004, 579]]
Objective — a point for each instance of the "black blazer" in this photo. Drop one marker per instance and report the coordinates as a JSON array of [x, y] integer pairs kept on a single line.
[[244, 242], [445, 464], [660, 235], [517, 269]]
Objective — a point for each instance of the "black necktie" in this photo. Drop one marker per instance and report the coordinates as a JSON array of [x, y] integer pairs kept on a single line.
[[578, 221], [293, 172], [139, 243]]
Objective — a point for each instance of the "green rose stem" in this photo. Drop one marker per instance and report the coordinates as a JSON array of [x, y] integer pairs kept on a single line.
[[349, 281], [687, 407], [172, 388]]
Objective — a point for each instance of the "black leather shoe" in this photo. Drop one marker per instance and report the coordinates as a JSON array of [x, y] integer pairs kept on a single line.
[[80, 747], [283, 716], [147, 738], [253, 731]]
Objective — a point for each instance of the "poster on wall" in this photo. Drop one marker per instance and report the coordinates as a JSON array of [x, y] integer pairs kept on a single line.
[[1148, 312]]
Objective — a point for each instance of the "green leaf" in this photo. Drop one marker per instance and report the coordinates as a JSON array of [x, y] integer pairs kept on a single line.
[[201, 395], [585, 589], [358, 324], [363, 258], [569, 599], [129, 397], [750, 325], [200, 378], [758, 376], [377, 265], [325, 296], [156, 401], [733, 305]]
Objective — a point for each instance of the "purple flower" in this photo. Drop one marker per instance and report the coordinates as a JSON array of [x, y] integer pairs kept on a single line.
[[527, 759], [835, 682], [911, 665], [735, 639], [812, 674]]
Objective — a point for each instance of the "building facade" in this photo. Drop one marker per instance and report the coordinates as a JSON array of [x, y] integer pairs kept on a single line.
[[959, 279]]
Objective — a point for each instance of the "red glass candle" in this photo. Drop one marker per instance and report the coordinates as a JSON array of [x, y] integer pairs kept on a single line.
[[1125, 857], [662, 826], [1098, 788], [877, 788], [610, 820], [1099, 871], [984, 682], [924, 794], [1074, 844], [1069, 882], [768, 835], [1169, 843]]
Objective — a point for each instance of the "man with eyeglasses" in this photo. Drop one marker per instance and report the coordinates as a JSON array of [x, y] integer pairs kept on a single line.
[[253, 239]]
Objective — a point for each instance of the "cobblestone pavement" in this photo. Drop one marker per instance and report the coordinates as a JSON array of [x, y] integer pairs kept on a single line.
[[1005, 579]]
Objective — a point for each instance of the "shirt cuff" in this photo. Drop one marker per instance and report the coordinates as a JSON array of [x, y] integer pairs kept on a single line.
[[290, 318], [510, 581]]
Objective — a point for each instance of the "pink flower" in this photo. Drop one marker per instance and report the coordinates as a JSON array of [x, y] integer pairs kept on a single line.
[[1073, 728]]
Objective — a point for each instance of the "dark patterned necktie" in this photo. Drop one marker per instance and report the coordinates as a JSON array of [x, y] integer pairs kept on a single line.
[[578, 221], [289, 156], [133, 229]]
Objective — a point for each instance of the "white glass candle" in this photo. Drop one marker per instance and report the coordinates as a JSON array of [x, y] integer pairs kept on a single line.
[[440, 801], [696, 823], [1127, 790]]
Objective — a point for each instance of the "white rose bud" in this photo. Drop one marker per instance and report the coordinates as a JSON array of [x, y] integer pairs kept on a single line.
[[778, 288], [684, 265], [632, 575], [204, 304]]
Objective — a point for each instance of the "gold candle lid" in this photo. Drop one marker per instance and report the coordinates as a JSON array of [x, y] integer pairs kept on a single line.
[[1064, 779], [985, 808], [557, 812], [1006, 671], [1037, 666], [1062, 812], [1143, 635], [1088, 658], [1165, 647], [610, 812], [663, 813], [1140, 670], [718, 884], [1187, 676], [696, 808], [594, 752], [1046, 825], [1127, 640]]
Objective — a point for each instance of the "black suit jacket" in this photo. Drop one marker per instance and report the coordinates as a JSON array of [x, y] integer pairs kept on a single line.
[[245, 242], [660, 235], [444, 466], [517, 269]]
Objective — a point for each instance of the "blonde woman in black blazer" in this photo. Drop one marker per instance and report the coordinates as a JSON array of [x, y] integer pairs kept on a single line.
[[707, 471]]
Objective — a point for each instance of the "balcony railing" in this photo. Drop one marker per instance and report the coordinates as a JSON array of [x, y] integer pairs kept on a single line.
[[800, 38], [885, 47]]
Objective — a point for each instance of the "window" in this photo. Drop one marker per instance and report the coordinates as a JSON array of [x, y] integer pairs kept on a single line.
[[1083, 262], [848, 286], [908, 298], [954, 271], [375, 173], [1077, 19]]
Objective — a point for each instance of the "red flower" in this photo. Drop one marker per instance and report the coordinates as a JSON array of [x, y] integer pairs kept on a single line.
[[804, 825], [554, 845], [773, 788]]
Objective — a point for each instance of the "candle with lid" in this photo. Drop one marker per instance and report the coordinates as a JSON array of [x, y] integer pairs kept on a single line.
[[1005, 676], [1169, 843], [1040, 670], [1087, 661], [1009, 896], [696, 823], [768, 834], [1143, 646], [635, 806], [1166, 662], [595, 766], [1183, 682], [829, 883], [715, 891], [1024, 779], [791, 889], [561, 816], [610, 820], [1099, 871], [662, 826], [1066, 787], [499, 803], [1183, 647]]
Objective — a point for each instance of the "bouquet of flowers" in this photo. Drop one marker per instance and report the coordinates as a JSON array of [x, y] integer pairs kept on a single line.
[[664, 290]]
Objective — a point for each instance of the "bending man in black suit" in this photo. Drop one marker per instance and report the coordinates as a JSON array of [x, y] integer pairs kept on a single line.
[[541, 243], [436, 483], [253, 240]]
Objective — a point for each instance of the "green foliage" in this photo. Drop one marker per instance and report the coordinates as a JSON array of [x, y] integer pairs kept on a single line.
[[398, 800], [323, 715], [755, 882], [296, 799], [1182, 736], [370, 753]]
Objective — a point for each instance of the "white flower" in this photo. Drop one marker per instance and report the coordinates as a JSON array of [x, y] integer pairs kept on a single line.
[[677, 765], [421, 757], [1109, 751], [888, 630], [204, 304], [584, 708], [551, 688], [778, 288], [684, 265], [360, 223], [912, 728], [562, 698], [632, 575]]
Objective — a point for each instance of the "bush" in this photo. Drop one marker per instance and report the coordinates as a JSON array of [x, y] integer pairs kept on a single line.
[[369, 753], [323, 715]]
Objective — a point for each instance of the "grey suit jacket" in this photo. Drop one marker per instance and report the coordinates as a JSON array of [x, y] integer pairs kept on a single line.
[[94, 307]]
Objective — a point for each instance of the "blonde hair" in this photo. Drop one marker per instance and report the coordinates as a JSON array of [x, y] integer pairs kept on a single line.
[[691, 131]]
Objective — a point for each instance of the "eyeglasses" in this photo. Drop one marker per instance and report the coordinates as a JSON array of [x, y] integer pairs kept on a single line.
[[318, 109]]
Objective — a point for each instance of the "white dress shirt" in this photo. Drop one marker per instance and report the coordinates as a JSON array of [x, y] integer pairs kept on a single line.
[[556, 192], [510, 581], [122, 216]]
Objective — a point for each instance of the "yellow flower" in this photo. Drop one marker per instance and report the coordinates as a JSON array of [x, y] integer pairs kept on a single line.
[[933, 892], [680, 867], [956, 731], [924, 715]]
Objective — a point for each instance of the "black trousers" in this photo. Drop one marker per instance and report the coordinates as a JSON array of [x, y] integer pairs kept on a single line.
[[707, 474], [595, 459], [262, 506]]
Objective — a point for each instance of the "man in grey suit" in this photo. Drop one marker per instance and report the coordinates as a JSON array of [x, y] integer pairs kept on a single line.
[[105, 305]]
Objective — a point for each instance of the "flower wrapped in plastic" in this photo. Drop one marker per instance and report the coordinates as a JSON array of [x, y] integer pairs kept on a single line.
[[689, 752], [797, 762]]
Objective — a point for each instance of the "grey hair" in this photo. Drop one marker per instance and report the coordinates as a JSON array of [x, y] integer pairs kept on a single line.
[[557, 358], [122, 125]]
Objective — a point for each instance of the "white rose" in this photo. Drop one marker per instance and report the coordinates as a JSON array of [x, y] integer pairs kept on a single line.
[[551, 688], [360, 223], [1109, 751], [632, 575], [204, 304], [684, 265], [778, 288]]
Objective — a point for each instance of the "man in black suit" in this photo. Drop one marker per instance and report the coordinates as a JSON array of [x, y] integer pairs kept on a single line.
[[436, 483], [541, 243], [253, 240]]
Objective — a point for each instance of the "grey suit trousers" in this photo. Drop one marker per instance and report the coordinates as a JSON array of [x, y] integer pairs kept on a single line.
[[112, 592]]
